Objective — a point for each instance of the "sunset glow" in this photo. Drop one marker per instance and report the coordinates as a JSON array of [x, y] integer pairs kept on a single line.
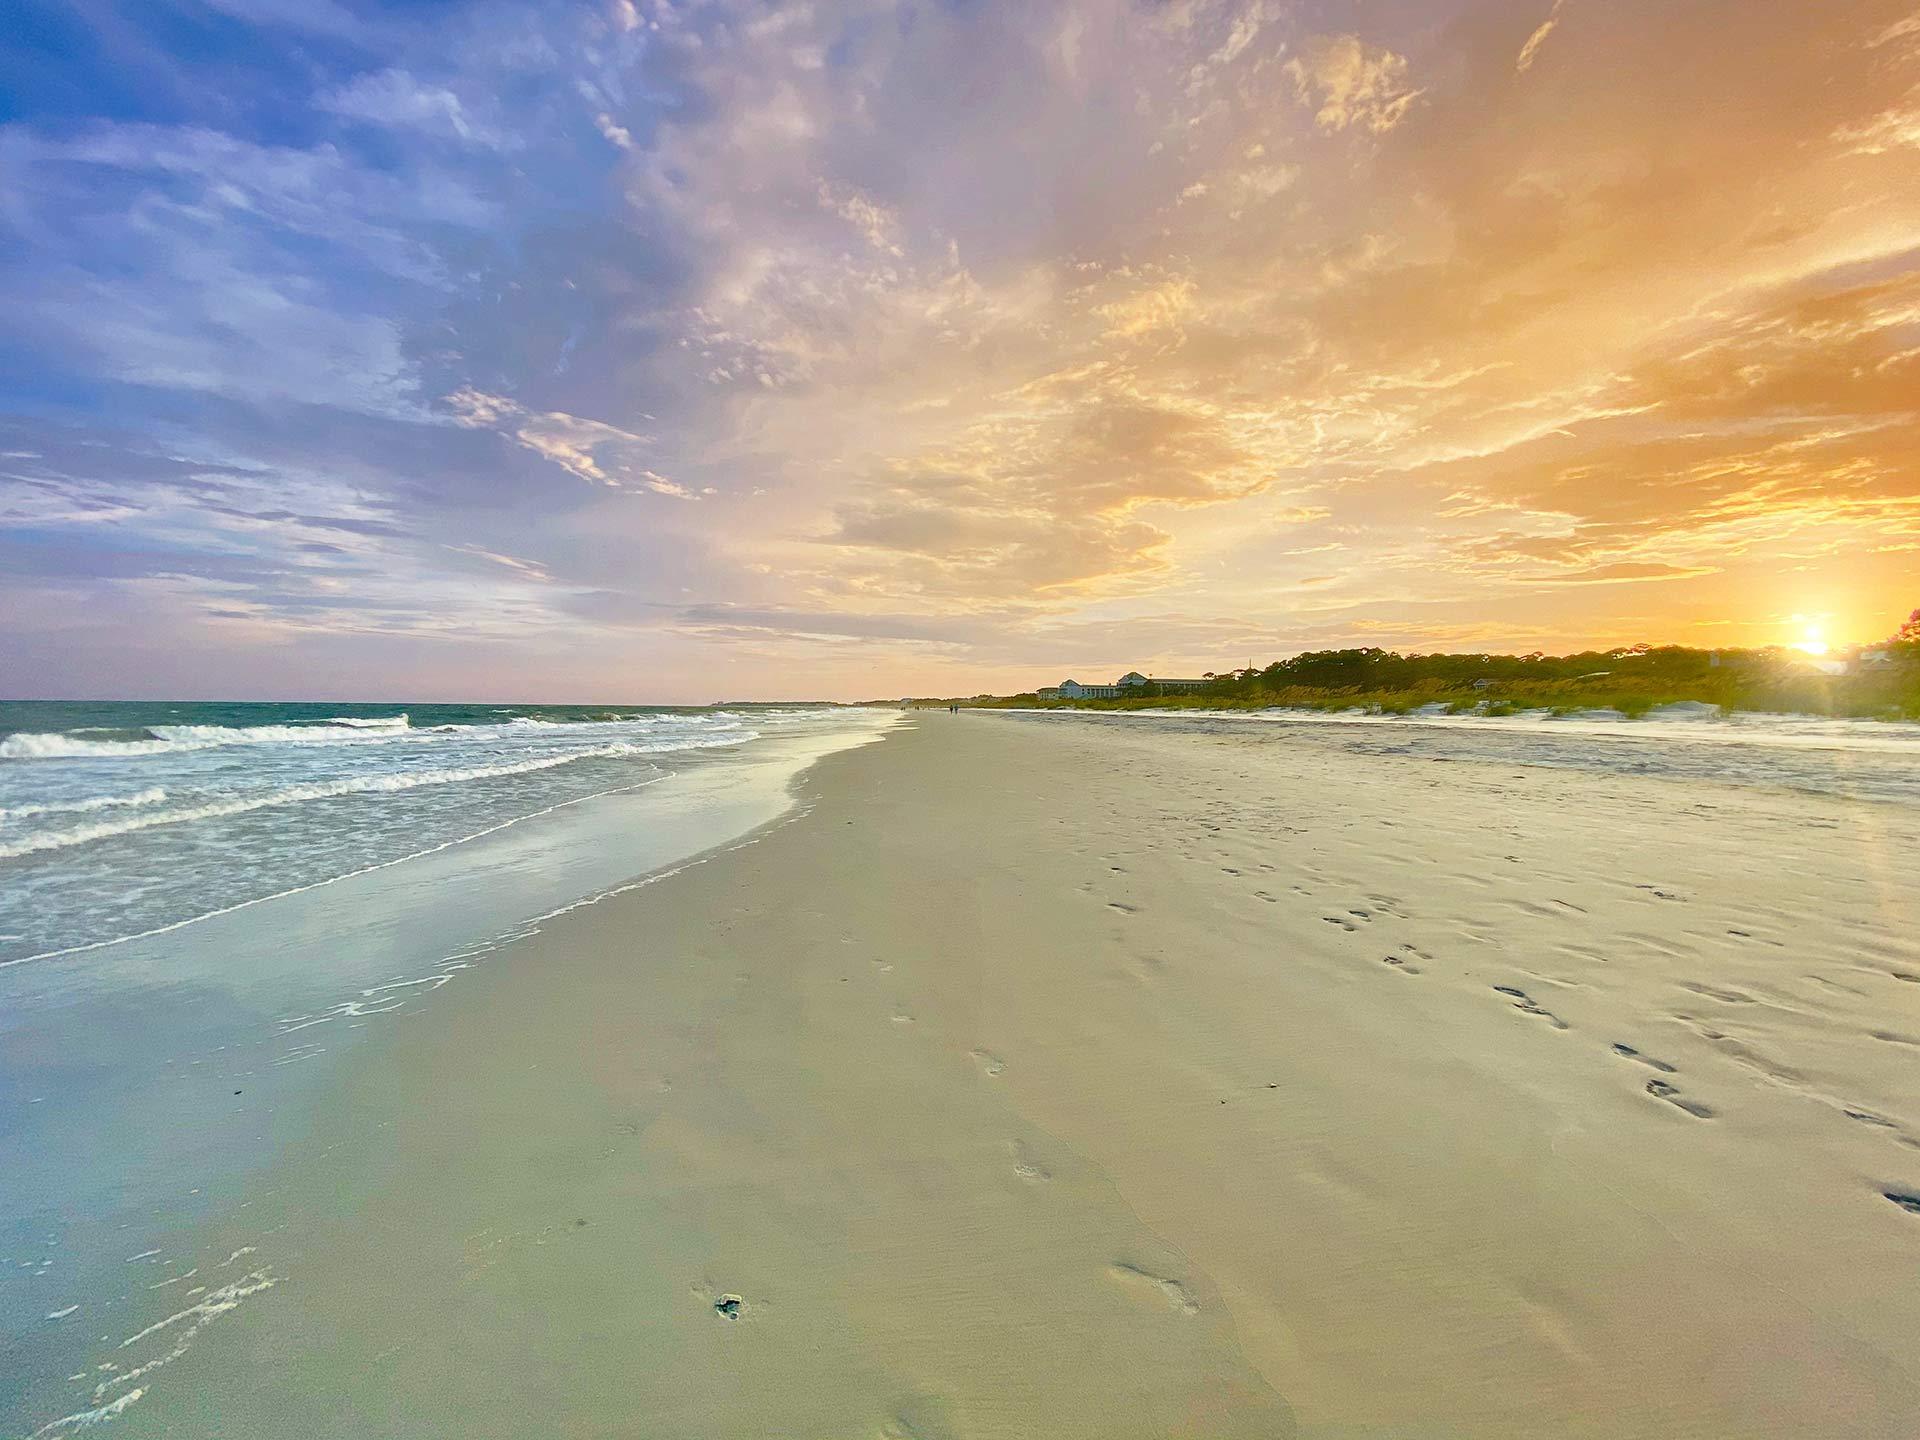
[[683, 351]]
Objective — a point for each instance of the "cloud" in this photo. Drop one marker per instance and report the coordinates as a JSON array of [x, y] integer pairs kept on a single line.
[[1531, 50], [1186, 342], [1892, 129], [615, 134], [322, 17], [598, 453], [396, 98], [530, 568], [875, 222], [1352, 84]]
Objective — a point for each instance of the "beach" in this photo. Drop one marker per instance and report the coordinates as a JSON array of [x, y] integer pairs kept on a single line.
[[1038, 1076]]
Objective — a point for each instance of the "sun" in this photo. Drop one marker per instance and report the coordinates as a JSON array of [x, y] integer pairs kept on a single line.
[[1812, 641]]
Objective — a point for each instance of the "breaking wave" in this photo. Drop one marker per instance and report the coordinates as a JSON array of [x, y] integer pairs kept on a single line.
[[152, 796], [171, 739], [351, 785]]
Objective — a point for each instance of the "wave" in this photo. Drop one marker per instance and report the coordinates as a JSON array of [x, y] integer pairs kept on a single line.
[[173, 739], [194, 737], [62, 746], [154, 796], [355, 785], [343, 729], [321, 884], [370, 722]]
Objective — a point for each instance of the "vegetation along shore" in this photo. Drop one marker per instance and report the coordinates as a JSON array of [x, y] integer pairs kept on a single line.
[[1875, 682]]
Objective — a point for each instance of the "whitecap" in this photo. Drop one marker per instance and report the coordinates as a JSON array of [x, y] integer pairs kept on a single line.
[[86, 1419], [354, 785], [152, 796]]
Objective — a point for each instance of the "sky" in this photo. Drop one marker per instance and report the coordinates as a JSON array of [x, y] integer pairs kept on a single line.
[[688, 350]]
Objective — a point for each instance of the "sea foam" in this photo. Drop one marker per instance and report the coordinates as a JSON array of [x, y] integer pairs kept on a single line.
[[153, 795], [171, 739], [352, 785]]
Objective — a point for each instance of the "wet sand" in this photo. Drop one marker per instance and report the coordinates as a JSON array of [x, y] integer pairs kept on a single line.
[[1048, 1079]]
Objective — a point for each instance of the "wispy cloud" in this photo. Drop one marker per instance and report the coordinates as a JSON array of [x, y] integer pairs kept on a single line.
[[1531, 50], [1352, 84], [589, 450], [396, 98]]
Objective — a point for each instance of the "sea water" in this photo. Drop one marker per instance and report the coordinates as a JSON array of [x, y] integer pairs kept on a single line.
[[204, 908]]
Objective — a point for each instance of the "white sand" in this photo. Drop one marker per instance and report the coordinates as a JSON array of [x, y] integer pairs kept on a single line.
[[1056, 1079]]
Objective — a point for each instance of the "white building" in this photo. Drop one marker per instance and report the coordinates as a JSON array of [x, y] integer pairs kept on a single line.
[[1127, 684], [1074, 690]]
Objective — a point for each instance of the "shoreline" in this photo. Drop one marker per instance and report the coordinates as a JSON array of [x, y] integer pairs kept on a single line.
[[1049, 1080], [149, 1078]]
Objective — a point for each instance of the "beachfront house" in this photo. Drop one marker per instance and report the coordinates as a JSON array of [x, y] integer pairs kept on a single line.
[[1131, 683]]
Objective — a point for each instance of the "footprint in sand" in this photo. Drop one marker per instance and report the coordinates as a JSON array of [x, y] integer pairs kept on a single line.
[[1026, 1166], [989, 1063], [1526, 1005], [1713, 992], [1401, 964], [1867, 1117], [1146, 1282], [1661, 1090]]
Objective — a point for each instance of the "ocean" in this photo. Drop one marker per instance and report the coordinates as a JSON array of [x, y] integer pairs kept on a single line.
[[204, 908], [118, 820]]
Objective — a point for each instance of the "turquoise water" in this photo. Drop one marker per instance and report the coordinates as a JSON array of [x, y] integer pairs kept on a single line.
[[205, 909]]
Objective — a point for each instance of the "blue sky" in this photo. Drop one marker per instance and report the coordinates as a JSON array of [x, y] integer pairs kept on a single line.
[[646, 350]]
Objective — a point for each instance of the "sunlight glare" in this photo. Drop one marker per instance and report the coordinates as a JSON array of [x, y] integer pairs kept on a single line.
[[1812, 641]]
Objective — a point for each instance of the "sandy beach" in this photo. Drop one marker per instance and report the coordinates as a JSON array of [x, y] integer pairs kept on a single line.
[[1046, 1078]]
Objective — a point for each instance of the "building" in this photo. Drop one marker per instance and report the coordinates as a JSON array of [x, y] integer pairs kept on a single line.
[[1074, 690], [1133, 680], [1130, 683]]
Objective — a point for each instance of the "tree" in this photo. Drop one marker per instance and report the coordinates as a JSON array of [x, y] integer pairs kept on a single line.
[[1909, 631]]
